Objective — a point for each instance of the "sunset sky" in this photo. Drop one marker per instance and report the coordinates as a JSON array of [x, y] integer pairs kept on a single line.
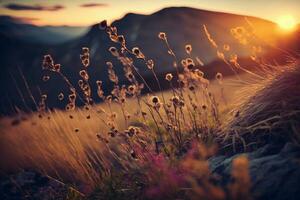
[[82, 13]]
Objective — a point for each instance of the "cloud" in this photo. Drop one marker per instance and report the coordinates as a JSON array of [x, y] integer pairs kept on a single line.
[[89, 5], [14, 6]]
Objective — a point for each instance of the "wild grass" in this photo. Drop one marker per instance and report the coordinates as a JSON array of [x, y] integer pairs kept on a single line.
[[139, 146], [270, 115]]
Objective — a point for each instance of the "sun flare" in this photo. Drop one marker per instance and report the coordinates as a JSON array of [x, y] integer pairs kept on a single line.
[[286, 22]]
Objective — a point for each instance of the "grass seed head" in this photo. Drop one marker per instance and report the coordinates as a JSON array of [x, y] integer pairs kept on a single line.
[[114, 51], [155, 99], [150, 64], [162, 36], [121, 39], [60, 96], [169, 77], [188, 48], [137, 52], [48, 62], [46, 78], [57, 67]]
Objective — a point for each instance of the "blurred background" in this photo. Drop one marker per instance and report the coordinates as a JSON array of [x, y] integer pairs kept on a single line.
[[29, 29]]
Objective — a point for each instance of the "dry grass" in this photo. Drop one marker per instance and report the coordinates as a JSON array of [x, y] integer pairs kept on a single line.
[[65, 140], [267, 112], [65, 145]]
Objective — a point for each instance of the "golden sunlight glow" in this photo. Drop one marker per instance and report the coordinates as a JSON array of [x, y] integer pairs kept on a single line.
[[287, 22]]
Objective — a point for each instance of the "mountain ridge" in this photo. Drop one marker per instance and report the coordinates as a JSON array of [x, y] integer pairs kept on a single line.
[[49, 35]]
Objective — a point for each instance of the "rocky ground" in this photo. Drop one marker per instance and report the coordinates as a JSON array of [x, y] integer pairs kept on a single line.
[[27, 185], [274, 171]]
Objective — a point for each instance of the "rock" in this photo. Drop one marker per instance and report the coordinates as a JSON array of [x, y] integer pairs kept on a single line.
[[31, 185], [274, 171]]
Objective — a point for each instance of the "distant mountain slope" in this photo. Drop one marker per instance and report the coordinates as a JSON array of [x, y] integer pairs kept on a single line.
[[12, 27], [69, 31], [182, 25]]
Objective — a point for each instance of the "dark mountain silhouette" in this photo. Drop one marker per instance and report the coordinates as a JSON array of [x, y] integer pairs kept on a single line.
[[18, 29], [182, 26], [70, 32]]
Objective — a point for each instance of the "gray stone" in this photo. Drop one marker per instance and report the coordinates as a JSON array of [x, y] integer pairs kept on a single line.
[[274, 171]]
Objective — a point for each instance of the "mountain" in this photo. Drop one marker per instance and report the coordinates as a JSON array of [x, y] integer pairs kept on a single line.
[[69, 31], [13, 27], [181, 24]]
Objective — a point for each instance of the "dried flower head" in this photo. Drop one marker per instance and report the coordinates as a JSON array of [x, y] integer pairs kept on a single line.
[[189, 60], [44, 97], [84, 74], [85, 50], [86, 62], [57, 67], [169, 77], [131, 88], [60, 96], [46, 78], [72, 97], [99, 83], [48, 62], [113, 51], [155, 99], [137, 52], [219, 77], [80, 82], [109, 98], [175, 100], [191, 66], [162, 36], [188, 48], [181, 103], [233, 58], [191, 87], [70, 106], [199, 73], [113, 115], [132, 130], [183, 62], [150, 64], [226, 47], [85, 57], [113, 132], [121, 39]]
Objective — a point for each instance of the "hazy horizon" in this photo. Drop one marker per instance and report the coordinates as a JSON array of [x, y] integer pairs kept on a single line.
[[44, 14]]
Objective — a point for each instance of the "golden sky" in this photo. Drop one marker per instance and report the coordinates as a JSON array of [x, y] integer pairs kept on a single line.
[[83, 12]]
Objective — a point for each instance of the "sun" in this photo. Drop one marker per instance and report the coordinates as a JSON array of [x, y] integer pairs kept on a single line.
[[287, 22]]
